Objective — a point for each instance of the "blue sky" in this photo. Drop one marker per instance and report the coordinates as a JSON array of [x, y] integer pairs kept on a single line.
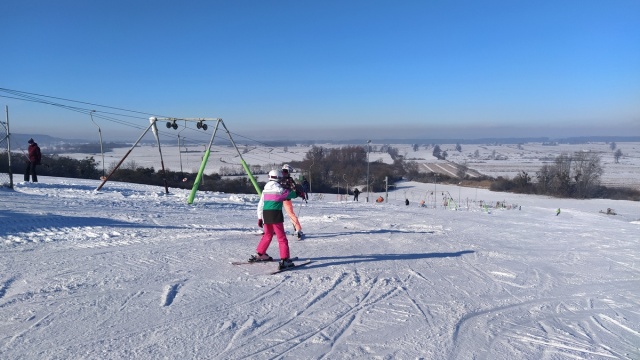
[[328, 69]]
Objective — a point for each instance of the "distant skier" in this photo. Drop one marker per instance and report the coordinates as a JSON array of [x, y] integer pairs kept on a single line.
[[356, 192], [306, 188], [406, 202], [558, 212], [288, 183], [271, 219], [34, 158]]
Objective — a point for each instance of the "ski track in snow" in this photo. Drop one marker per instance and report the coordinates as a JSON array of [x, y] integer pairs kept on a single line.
[[133, 272]]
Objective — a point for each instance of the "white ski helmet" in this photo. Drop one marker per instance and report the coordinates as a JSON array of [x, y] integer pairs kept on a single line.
[[275, 175], [288, 168]]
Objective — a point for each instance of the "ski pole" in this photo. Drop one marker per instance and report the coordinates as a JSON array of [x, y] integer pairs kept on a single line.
[[299, 209]]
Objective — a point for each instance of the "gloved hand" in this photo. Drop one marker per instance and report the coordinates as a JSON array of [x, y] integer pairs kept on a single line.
[[260, 223]]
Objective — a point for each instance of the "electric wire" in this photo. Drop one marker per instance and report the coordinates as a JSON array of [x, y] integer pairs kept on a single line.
[[257, 153], [80, 102]]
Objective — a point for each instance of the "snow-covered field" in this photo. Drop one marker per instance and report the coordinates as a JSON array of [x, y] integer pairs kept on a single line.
[[493, 160], [510, 159], [131, 272]]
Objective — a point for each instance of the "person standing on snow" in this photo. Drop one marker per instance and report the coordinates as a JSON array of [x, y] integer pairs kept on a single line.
[[289, 183], [34, 159], [271, 219], [305, 188], [356, 192], [558, 212]]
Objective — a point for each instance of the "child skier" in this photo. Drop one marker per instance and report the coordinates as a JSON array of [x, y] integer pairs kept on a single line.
[[271, 219], [289, 183]]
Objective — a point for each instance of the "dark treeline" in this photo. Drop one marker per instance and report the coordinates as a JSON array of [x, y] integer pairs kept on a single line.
[[213, 182], [570, 176], [330, 169], [63, 166], [52, 165]]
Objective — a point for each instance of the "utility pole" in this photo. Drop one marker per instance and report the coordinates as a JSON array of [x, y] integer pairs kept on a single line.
[[99, 133], [179, 150], [459, 186], [368, 150], [344, 177], [310, 188], [386, 188], [6, 107], [435, 193]]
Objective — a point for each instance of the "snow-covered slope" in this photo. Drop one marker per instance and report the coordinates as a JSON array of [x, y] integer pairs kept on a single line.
[[131, 272]]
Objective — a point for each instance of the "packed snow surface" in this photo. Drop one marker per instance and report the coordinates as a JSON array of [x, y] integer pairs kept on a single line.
[[133, 272]]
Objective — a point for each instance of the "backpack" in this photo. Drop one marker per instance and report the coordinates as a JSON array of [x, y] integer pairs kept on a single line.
[[38, 155]]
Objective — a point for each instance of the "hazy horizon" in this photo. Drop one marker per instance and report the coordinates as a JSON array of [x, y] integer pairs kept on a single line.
[[243, 139]]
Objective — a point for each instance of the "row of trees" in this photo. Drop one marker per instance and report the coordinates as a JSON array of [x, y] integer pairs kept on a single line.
[[329, 169], [62, 166], [576, 175], [53, 165], [180, 180]]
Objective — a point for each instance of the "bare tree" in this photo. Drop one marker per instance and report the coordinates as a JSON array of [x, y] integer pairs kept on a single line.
[[544, 176], [587, 171], [458, 147], [617, 155], [613, 145], [577, 175], [522, 180], [131, 165], [561, 175], [462, 170], [437, 152]]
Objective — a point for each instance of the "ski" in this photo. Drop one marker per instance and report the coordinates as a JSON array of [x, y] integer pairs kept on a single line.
[[258, 262], [259, 233], [306, 262]]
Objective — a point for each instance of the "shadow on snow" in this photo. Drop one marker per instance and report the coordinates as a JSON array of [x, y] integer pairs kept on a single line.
[[24, 222], [354, 259], [364, 232]]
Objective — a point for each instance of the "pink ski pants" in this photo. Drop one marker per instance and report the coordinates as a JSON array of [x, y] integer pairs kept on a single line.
[[265, 241]]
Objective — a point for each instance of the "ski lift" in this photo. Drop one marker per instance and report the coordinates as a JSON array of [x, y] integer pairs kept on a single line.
[[172, 124], [202, 125]]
